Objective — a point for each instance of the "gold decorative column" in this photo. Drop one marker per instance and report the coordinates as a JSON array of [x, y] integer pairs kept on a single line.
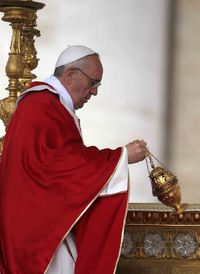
[[22, 56]]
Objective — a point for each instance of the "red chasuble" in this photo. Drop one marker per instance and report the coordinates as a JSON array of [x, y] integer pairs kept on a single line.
[[49, 184]]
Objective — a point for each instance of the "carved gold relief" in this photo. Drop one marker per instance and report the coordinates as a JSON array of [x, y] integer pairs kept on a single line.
[[29, 58], [161, 244], [22, 56], [7, 106]]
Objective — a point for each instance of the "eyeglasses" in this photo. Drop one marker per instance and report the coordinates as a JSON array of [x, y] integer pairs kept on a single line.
[[94, 83]]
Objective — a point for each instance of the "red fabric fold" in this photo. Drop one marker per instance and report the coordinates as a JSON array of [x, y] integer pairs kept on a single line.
[[49, 180], [98, 235]]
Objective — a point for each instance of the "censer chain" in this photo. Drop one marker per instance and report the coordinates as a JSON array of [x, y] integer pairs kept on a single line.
[[149, 157]]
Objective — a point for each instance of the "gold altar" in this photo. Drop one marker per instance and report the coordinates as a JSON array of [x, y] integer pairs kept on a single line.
[[158, 242]]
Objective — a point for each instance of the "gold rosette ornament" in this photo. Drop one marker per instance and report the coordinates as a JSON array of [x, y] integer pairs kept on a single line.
[[164, 185]]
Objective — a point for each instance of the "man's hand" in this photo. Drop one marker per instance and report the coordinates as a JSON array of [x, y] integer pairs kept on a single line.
[[137, 151]]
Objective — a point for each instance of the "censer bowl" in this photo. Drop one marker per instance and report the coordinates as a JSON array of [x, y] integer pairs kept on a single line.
[[165, 187]]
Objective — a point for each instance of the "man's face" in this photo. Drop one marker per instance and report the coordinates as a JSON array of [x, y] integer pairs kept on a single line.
[[86, 83]]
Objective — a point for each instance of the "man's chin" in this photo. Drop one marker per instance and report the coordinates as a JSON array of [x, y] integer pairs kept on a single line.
[[79, 106]]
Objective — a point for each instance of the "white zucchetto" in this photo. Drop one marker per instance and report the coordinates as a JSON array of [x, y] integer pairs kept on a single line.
[[73, 53]]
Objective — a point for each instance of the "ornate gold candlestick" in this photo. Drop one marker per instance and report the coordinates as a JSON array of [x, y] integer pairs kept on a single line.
[[165, 185], [22, 56]]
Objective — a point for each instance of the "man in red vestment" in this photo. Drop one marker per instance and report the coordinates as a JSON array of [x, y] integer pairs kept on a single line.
[[62, 204]]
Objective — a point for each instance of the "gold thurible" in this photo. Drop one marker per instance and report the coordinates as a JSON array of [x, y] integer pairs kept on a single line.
[[22, 56], [164, 185]]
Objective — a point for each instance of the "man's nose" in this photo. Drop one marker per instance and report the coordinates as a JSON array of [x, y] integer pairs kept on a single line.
[[94, 91]]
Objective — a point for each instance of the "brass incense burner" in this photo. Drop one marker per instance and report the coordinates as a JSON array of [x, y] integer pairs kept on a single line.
[[165, 185]]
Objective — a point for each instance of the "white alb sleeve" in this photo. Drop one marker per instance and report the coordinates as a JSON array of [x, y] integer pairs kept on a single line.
[[119, 181]]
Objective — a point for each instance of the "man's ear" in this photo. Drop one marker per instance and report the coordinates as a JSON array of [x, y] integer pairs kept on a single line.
[[69, 76]]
